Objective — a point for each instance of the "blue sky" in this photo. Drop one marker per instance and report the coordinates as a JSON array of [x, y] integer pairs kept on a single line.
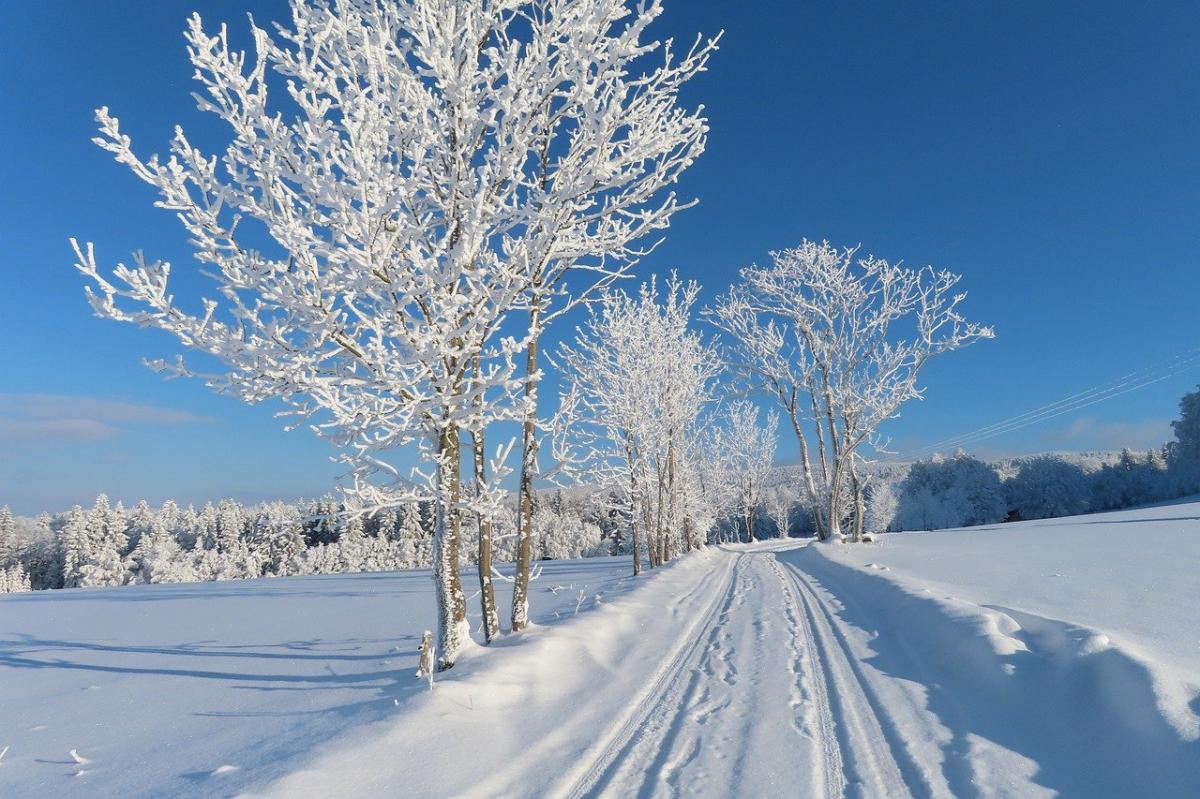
[[1047, 151]]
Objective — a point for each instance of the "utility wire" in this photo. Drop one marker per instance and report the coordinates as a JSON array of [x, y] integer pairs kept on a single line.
[[1132, 381]]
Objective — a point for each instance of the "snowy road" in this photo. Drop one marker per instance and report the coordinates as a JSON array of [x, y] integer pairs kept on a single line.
[[769, 697], [803, 682]]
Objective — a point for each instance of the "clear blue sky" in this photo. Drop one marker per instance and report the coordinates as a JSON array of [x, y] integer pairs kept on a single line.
[[1048, 151]]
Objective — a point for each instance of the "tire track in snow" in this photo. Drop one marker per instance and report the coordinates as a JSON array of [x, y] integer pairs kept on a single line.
[[812, 698], [745, 713], [769, 637], [876, 761], [663, 688]]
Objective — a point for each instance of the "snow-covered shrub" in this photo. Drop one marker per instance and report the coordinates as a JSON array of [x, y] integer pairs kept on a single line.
[[1046, 487], [882, 506], [563, 535], [953, 492]]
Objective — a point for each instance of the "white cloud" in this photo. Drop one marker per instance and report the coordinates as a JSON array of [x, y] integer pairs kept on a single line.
[[1089, 433], [46, 418]]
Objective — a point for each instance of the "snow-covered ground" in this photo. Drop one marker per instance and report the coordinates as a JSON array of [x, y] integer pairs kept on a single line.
[[202, 689], [1130, 576], [1055, 657]]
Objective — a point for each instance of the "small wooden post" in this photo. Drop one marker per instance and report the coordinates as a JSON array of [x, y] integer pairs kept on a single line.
[[425, 667]]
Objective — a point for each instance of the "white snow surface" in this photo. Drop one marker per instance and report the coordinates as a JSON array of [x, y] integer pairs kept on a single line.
[[202, 689], [950, 664], [1126, 579]]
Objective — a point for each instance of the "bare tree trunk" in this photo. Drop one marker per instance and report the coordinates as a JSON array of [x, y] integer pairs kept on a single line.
[[454, 631], [835, 485], [487, 591], [520, 600], [834, 506], [658, 520], [860, 506], [673, 515], [813, 501], [825, 514], [634, 538], [651, 539]]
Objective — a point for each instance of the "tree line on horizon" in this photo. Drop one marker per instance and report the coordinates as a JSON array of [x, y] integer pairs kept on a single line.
[[109, 545]]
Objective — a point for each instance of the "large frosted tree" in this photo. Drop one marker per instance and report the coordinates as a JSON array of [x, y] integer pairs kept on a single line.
[[637, 381], [401, 175], [746, 451], [605, 138], [840, 340]]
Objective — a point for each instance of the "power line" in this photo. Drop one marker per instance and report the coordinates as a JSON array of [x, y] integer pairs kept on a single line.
[[1132, 381]]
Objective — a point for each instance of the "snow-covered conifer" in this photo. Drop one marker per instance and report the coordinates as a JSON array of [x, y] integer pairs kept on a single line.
[[75, 546], [103, 563], [8, 536]]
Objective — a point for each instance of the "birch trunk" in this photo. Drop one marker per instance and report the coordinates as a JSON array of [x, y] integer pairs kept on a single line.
[[520, 601], [454, 631], [487, 591], [635, 539]]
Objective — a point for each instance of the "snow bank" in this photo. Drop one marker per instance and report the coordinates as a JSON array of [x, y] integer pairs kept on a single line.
[[1069, 641], [529, 716]]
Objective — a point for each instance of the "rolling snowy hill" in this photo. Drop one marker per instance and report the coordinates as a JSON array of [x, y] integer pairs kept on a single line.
[[1047, 658]]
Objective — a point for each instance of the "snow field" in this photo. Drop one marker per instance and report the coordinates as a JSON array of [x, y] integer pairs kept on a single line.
[[206, 689], [978, 663]]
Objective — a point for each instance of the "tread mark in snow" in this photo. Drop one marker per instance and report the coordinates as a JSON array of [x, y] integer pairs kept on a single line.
[[654, 703], [874, 747]]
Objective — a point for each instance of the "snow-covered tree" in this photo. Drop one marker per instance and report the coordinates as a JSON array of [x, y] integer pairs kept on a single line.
[[839, 340], [881, 506], [105, 543], [14, 579], [561, 534], [1132, 480], [779, 500], [352, 546], [139, 522], [413, 538], [158, 558], [277, 535], [1046, 487], [230, 526], [42, 554], [950, 492], [606, 139], [75, 546], [746, 450], [433, 165], [637, 380], [8, 536]]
